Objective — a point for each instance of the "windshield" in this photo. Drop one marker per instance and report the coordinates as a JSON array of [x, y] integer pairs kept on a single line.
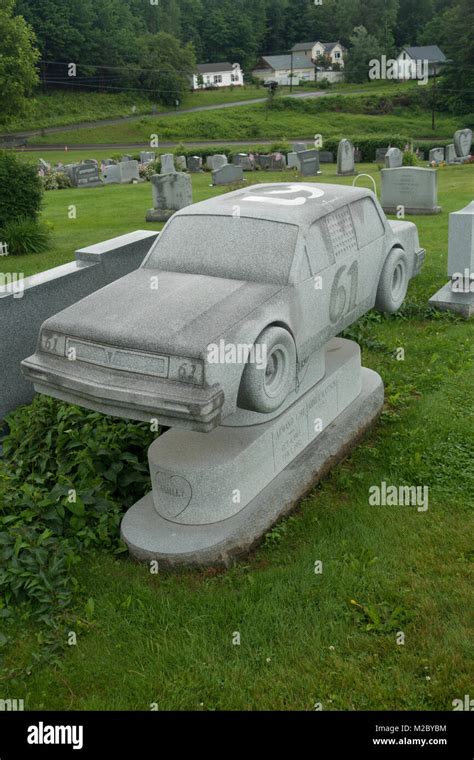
[[237, 248]]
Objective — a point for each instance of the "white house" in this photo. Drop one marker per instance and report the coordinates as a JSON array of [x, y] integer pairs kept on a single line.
[[333, 51], [429, 56], [281, 67], [217, 75]]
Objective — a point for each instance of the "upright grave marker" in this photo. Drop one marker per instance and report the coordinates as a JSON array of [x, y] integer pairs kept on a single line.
[[411, 188], [458, 294], [345, 159]]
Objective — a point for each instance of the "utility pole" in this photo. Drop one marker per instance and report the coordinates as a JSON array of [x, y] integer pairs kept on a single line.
[[433, 103], [291, 73]]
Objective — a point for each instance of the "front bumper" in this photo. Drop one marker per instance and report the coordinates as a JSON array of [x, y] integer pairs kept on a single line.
[[419, 259], [125, 394]]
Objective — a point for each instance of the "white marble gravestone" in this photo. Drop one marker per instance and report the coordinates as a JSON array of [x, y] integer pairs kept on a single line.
[[458, 294], [345, 159], [167, 164], [227, 174], [436, 155], [412, 188], [393, 158], [463, 142]]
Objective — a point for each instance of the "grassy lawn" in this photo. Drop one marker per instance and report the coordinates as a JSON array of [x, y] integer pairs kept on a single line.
[[62, 108], [257, 121], [306, 638]]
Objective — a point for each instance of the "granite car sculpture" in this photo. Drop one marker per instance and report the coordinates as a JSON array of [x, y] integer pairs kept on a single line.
[[278, 267]]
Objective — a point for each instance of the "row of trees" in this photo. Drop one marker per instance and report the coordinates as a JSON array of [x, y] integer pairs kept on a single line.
[[153, 45]]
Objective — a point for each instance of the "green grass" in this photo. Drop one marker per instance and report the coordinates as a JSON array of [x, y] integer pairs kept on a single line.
[[63, 108], [258, 122], [167, 638]]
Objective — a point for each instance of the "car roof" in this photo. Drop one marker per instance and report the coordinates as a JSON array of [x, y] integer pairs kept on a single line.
[[299, 203]]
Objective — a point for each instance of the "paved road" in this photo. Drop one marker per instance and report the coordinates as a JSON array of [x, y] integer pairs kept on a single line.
[[17, 136]]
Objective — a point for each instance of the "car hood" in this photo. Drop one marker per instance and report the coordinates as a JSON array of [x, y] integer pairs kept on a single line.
[[170, 312]]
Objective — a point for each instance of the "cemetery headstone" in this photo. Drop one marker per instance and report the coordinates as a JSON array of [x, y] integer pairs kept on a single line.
[[357, 155], [215, 162], [147, 156], [264, 161], [411, 187], [298, 147], [83, 175], [450, 154], [126, 158], [393, 158], [326, 157], [292, 159], [111, 174], [458, 294], [123, 173], [180, 163], [308, 162], [436, 155], [345, 159], [171, 192], [463, 142], [380, 154], [167, 164], [277, 162], [227, 174], [194, 164]]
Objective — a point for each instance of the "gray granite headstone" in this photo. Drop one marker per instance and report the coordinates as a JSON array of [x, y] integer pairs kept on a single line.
[[393, 158], [292, 159], [436, 155], [243, 160], [126, 158], [216, 161], [227, 174], [111, 174], [380, 154], [86, 175], [411, 187], [180, 163], [450, 154], [170, 193], [108, 162], [194, 164], [167, 164], [326, 157], [463, 142], [308, 162], [458, 294], [147, 156], [298, 147], [277, 162], [264, 161], [345, 159], [129, 172]]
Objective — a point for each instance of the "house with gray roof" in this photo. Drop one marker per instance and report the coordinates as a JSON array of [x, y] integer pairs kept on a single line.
[[280, 68], [430, 56], [222, 74], [334, 52]]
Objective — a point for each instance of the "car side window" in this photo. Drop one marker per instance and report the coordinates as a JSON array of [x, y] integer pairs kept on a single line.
[[342, 234], [319, 246], [368, 224]]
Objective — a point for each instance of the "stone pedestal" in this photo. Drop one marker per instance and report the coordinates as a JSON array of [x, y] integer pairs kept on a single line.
[[216, 494], [458, 294]]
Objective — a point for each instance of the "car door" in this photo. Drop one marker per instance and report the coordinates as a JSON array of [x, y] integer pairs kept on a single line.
[[333, 254]]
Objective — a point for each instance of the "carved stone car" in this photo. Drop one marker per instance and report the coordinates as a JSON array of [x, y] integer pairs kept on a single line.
[[276, 270]]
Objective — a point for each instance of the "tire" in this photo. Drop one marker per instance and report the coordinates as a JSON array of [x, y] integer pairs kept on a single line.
[[393, 283], [265, 389]]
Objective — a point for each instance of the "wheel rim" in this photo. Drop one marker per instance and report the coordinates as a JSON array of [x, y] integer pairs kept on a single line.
[[398, 279], [276, 371]]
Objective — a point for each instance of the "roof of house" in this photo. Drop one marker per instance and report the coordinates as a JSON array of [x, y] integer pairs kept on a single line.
[[208, 68], [277, 62], [328, 46], [430, 53]]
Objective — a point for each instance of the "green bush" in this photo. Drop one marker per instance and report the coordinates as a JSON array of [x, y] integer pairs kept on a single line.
[[409, 159], [25, 236], [66, 477], [20, 189], [55, 181]]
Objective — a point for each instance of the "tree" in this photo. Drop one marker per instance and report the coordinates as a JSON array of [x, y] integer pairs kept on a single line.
[[458, 76], [169, 66], [364, 47], [18, 58]]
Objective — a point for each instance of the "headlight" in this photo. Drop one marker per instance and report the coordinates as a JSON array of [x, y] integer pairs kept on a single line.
[[186, 370], [52, 343]]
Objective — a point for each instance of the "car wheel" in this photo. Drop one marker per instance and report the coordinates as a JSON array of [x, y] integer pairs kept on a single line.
[[265, 388], [393, 283]]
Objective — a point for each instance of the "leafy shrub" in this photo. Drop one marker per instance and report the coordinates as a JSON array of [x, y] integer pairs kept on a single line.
[[409, 159], [25, 236], [55, 181], [65, 480], [20, 189]]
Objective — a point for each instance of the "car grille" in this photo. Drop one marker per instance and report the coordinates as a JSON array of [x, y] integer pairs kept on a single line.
[[117, 358]]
